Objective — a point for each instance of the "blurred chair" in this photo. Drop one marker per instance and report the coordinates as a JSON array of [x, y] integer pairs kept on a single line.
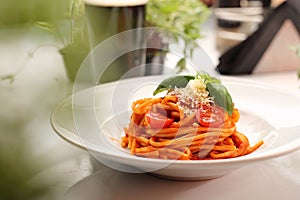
[[268, 48]]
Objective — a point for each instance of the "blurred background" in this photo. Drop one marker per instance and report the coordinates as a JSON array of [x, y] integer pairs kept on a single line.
[[42, 45]]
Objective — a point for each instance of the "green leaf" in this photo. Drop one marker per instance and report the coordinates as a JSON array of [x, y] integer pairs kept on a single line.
[[217, 91], [183, 16], [10, 77], [181, 64], [221, 96], [172, 82], [208, 78], [46, 26], [213, 86]]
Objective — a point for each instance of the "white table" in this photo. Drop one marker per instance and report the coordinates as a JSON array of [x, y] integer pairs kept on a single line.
[[42, 83], [272, 179]]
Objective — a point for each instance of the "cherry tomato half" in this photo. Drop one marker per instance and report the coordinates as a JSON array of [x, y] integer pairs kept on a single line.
[[158, 121], [210, 116]]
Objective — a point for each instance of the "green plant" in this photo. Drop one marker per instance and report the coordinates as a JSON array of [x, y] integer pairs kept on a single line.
[[69, 30], [19, 169], [16, 174], [183, 16]]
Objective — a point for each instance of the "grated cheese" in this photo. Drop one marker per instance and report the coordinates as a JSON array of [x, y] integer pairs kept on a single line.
[[192, 95]]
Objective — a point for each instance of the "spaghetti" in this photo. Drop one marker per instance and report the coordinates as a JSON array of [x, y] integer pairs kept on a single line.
[[168, 128]]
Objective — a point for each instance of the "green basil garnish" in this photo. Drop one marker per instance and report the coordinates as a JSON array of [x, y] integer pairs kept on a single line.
[[213, 85], [221, 96], [172, 82]]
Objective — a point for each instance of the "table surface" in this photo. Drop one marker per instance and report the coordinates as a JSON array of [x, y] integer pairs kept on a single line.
[[41, 83]]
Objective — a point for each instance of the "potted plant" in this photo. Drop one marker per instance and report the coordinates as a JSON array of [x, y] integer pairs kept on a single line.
[[47, 16], [182, 16]]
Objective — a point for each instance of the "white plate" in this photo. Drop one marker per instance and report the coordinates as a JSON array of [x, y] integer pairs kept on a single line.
[[92, 117]]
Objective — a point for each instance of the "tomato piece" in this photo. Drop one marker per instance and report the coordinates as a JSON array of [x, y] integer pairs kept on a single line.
[[158, 121], [210, 116]]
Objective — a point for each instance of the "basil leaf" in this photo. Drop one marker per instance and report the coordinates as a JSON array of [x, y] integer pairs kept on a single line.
[[208, 78], [172, 82], [221, 96], [217, 91], [213, 86]]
